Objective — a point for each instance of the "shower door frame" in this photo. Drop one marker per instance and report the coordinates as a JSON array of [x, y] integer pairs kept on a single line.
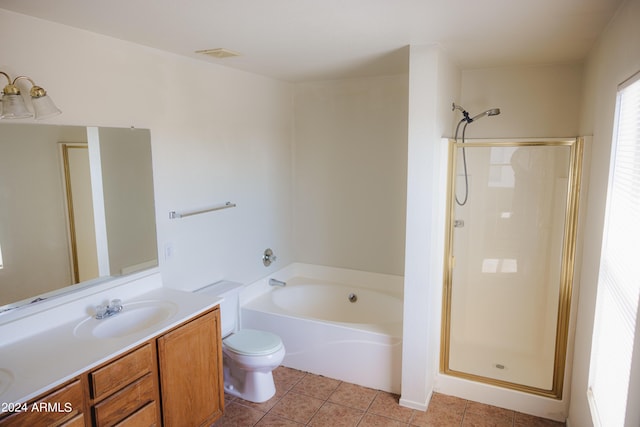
[[566, 271]]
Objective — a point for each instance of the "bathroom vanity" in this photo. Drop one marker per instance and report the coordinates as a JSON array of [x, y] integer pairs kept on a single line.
[[167, 374]]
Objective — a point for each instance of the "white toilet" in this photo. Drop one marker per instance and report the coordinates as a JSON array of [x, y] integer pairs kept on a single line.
[[249, 355]]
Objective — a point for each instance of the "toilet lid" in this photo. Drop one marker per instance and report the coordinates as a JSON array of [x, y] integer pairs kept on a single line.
[[253, 343]]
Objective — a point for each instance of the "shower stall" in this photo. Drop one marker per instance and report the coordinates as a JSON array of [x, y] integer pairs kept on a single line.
[[510, 244]]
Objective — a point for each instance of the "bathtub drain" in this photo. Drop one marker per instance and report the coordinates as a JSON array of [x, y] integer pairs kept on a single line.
[[353, 297]]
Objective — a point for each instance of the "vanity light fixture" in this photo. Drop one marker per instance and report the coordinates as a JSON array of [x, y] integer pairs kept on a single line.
[[13, 106]]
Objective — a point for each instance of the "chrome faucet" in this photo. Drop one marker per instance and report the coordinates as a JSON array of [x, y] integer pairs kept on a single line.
[[276, 282], [104, 311]]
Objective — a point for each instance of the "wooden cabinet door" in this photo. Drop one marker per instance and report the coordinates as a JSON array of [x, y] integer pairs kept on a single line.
[[191, 383]]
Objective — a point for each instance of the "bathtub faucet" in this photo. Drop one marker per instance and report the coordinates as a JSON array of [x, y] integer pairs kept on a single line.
[[276, 282]]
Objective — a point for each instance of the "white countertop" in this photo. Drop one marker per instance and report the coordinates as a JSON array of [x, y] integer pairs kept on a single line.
[[34, 365]]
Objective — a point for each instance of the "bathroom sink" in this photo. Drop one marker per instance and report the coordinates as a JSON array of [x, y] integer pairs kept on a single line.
[[133, 318]]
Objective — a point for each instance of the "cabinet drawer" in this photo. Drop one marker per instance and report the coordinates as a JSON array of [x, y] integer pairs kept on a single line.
[[77, 421], [123, 371], [55, 409], [147, 416], [125, 402]]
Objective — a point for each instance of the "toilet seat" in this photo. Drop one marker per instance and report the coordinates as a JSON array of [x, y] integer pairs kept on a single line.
[[250, 342]]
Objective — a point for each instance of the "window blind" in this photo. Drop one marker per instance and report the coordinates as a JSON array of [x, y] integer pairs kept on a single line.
[[619, 278]]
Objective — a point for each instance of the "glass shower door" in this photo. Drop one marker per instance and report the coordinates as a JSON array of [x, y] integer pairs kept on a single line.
[[510, 261]]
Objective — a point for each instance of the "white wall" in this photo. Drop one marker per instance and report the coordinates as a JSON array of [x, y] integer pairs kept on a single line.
[[615, 58], [217, 135], [350, 173], [433, 84], [223, 135]]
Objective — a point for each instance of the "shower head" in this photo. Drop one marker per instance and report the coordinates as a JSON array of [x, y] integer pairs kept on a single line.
[[490, 112], [466, 119], [465, 114]]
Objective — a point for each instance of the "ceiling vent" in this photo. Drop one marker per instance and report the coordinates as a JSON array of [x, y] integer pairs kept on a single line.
[[219, 53]]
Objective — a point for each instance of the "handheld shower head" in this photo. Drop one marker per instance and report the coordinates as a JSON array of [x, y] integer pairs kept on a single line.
[[466, 119], [490, 112], [465, 114]]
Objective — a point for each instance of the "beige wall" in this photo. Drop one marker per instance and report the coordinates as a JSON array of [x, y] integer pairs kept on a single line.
[[535, 101], [127, 188], [82, 215], [615, 58], [350, 172], [33, 230]]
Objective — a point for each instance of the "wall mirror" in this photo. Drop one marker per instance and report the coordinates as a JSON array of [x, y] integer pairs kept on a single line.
[[76, 208]]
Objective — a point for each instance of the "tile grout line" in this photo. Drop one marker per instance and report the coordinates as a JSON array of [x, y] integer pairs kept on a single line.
[[323, 403], [290, 390], [327, 400], [464, 412], [370, 405], [293, 385], [283, 396]]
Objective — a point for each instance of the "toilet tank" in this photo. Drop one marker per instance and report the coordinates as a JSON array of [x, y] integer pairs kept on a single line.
[[230, 305]]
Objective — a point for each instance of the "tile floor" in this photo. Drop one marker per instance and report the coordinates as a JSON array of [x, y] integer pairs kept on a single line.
[[304, 399]]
